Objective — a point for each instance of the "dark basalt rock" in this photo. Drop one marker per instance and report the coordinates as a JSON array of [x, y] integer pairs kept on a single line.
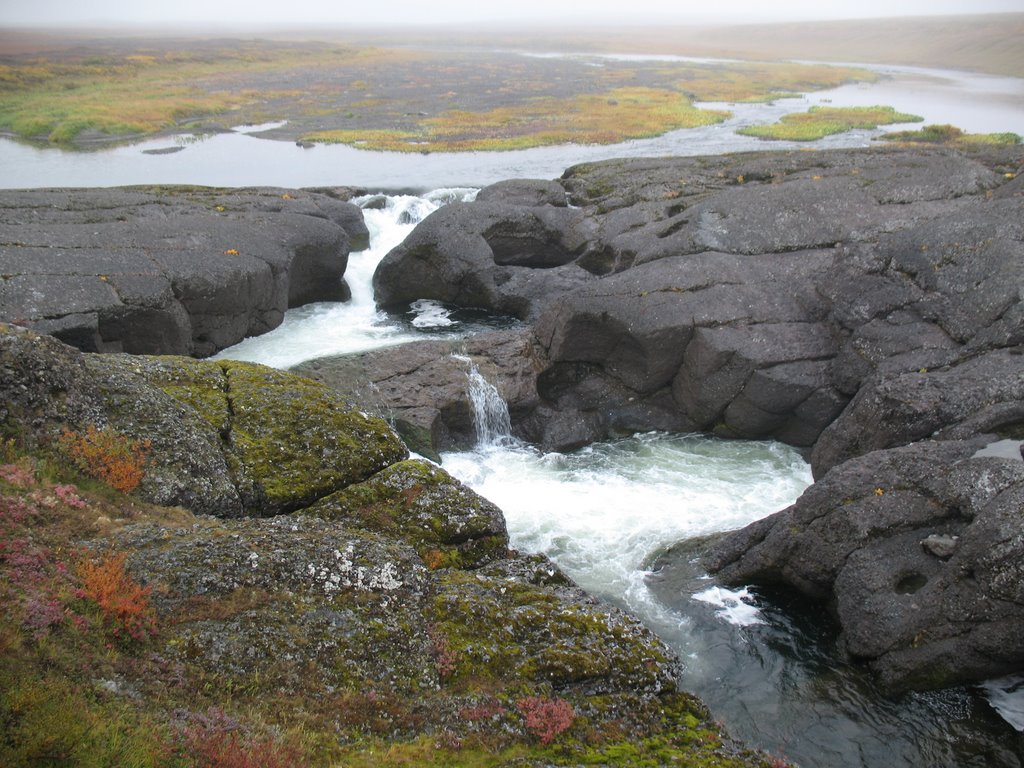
[[749, 295], [498, 256], [918, 550], [863, 304], [525, 192], [169, 270], [422, 387]]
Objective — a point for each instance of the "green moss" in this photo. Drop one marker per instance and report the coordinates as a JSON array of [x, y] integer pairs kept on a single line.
[[294, 440], [447, 523], [47, 720], [201, 385], [505, 629], [819, 122], [287, 440]]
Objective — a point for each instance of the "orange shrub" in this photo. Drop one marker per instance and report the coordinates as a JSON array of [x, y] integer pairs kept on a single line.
[[123, 603], [107, 455]]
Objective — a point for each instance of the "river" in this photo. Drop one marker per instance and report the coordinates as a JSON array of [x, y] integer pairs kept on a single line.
[[974, 102], [623, 518]]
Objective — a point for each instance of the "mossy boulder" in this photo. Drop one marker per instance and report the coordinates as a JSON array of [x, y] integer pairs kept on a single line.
[[224, 438], [523, 620], [287, 441], [448, 524]]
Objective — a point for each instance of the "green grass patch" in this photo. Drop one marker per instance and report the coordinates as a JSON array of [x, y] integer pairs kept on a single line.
[[950, 135], [819, 122], [124, 94]]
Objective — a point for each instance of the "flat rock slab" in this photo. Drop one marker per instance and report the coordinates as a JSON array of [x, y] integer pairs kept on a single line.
[[171, 270]]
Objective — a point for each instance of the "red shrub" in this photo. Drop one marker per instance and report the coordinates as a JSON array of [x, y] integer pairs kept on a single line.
[[546, 718], [215, 740]]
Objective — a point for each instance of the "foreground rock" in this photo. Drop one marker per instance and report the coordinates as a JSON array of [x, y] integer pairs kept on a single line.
[[382, 618], [169, 270]]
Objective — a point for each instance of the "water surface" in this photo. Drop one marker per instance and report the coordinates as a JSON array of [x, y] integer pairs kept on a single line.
[[975, 102]]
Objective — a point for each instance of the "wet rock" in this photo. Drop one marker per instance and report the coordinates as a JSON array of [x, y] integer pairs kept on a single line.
[[498, 256], [916, 549], [423, 387]]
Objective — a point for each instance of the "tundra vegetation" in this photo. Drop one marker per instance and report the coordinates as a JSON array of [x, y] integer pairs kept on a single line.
[[950, 135], [374, 98], [819, 122], [382, 622]]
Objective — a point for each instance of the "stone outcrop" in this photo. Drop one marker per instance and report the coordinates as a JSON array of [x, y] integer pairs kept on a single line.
[[422, 388], [749, 296], [175, 270], [867, 306], [919, 549]]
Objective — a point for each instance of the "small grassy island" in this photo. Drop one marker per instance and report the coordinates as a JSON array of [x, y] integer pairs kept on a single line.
[[819, 122]]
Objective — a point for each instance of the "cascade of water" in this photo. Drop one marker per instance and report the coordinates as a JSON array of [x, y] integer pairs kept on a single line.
[[331, 328], [490, 411]]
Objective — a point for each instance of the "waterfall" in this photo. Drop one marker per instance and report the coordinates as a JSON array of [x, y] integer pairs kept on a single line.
[[490, 411]]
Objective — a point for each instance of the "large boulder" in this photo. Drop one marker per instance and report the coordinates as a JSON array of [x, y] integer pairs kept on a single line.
[[918, 551], [500, 256], [223, 438], [379, 602], [168, 270]]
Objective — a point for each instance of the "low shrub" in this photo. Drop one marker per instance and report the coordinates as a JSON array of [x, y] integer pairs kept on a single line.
[[108, 456]]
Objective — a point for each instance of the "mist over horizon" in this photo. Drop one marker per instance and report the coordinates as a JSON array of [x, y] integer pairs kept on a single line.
[[240, 16]]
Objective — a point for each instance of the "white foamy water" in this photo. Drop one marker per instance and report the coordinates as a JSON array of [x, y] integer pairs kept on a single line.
[[604, 512], [737, 606], [1006, 695], [332, 328]]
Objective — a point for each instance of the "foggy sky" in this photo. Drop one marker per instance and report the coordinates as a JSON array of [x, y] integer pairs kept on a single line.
[[253, 14]]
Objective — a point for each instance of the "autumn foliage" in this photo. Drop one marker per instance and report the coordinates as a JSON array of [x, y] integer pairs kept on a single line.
[[123, 603], [545, 718], [215, 740], [108, 456]]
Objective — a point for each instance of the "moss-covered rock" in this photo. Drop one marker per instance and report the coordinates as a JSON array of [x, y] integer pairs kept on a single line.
[[384, 623], [522, 622], [224, 438], [450, 525], [293, 441], [288, 603]]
